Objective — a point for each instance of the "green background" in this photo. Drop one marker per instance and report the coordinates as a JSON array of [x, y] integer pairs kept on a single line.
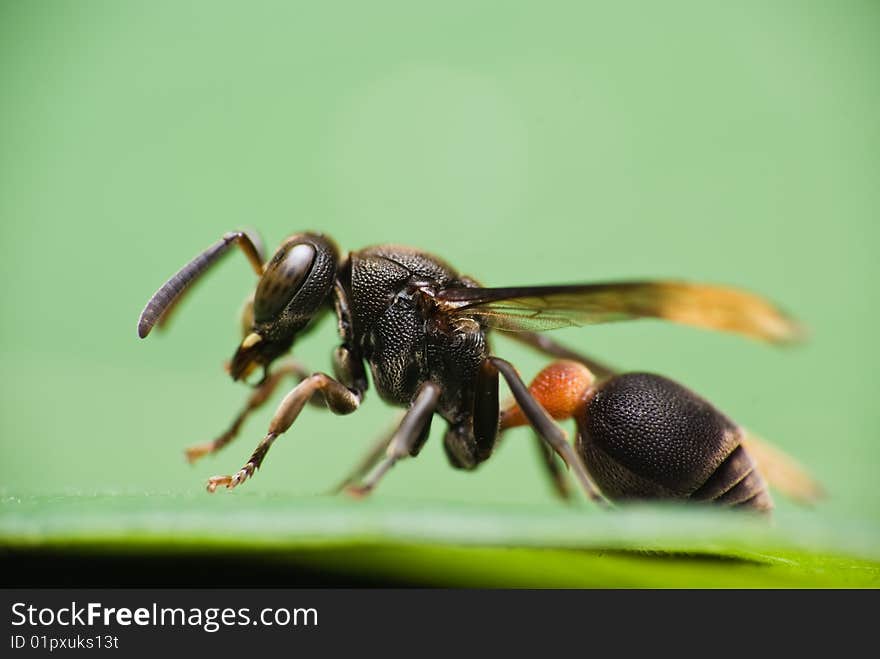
[[527, 143]]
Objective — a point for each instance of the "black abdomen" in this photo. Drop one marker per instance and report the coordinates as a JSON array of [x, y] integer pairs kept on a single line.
[[647, 437]]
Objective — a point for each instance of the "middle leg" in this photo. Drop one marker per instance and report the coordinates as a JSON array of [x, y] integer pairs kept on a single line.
[[406, 440], [370, 459]]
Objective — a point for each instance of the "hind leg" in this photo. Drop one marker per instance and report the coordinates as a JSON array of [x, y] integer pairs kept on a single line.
[[558, 392], [552, 348]]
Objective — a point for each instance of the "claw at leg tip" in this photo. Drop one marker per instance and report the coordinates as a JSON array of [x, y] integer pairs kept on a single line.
[[214, 481], [357, 491], [193, 453]]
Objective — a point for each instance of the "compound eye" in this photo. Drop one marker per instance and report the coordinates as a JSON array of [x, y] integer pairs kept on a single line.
[[284, 276]]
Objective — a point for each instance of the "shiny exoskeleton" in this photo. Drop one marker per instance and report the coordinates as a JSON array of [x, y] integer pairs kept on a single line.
[[643, 436], [421, 329]]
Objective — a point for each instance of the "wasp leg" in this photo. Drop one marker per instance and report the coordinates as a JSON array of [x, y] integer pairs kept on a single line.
[[471, 441], [257, 399], [539, 418], [548, 346], [369, 460], [407, 440], [339, 398], [554, 469], [551, 465], [561, 389]]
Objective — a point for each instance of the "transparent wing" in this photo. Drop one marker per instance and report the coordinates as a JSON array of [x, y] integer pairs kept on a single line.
[[539, 308], [783, 472]]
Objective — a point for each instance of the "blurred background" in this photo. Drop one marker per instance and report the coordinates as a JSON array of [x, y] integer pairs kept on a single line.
[[526, 143]]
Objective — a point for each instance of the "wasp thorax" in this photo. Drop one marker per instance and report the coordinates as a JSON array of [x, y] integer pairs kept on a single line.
[[282, 280]]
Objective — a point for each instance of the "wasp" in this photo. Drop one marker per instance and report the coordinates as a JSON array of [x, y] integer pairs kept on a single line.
[[422, 331]]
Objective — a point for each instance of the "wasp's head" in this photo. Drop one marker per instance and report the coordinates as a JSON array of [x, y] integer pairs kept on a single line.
[[296, 285]]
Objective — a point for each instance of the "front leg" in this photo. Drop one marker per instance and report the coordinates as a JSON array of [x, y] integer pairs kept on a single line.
[[339, 398], [257, 399]]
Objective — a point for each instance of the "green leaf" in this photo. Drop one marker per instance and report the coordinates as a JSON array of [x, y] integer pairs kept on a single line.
[[434, 544]]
